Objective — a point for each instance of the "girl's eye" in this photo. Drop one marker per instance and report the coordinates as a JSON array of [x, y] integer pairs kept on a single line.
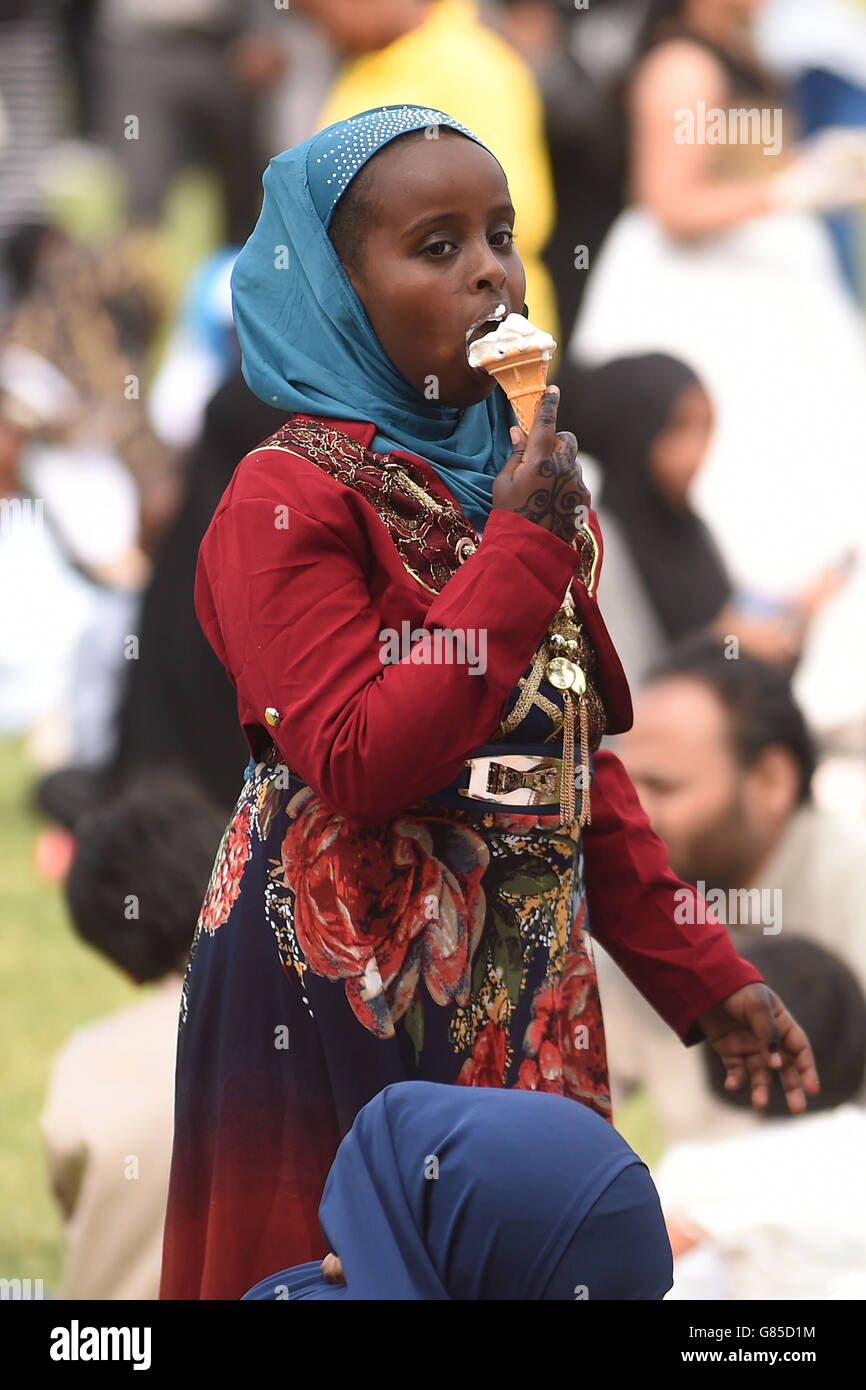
[[436, 249], [439, 249]]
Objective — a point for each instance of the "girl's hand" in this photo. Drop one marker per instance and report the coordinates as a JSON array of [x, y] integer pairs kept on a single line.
[[755, 1035], [542, 480]]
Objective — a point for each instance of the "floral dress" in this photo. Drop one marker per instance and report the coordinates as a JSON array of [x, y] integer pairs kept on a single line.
[[445, 930], [331, 959]]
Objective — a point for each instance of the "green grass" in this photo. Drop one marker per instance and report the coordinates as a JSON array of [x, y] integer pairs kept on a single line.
[[50, 984], [638, 1122]]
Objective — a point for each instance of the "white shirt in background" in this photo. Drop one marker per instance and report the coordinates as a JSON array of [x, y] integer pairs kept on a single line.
[[783, 1207]]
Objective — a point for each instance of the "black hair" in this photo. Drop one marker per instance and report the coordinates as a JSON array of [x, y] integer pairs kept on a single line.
[[355, 212], [353, 218], [829, 1005], [756, 695], [140, 873], [21, 255], [659, 17]]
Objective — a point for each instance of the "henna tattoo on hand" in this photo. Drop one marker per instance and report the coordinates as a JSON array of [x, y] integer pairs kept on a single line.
[[555, 503]]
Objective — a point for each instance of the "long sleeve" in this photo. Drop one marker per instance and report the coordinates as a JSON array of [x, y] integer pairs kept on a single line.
[[291, 615], [682, 970]]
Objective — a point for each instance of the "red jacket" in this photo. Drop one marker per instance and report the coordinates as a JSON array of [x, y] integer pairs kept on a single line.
[[297, 577]]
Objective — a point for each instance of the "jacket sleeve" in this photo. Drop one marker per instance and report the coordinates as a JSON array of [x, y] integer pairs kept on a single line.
[[291, 616], [657, 928]]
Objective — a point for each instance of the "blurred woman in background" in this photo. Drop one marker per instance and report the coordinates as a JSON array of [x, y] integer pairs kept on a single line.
[[648, 421], [720, 262]]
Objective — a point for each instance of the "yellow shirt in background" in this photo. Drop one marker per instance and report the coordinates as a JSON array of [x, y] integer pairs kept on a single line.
[[458, 65]]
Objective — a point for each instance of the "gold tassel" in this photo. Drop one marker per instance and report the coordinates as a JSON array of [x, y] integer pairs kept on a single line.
[[570, 679], [566, 795], [585, 808], [567, 800]]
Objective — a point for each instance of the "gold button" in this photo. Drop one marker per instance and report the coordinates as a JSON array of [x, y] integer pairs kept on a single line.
[[464, 548], [272, 716]]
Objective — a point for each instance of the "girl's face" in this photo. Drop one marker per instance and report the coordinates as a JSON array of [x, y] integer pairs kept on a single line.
[[678, 451], [437, 258]]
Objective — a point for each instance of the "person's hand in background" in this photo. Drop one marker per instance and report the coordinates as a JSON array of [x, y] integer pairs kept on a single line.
[[827, 172]]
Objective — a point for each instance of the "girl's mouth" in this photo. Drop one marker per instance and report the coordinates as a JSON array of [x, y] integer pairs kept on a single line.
[[487, 323]]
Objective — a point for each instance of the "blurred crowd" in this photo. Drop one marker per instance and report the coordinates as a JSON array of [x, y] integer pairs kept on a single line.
[[705, 279]]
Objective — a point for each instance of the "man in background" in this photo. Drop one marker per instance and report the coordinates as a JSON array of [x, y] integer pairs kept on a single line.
[[723, 762]]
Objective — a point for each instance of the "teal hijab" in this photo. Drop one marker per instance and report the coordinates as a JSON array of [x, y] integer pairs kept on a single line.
[[307, 344]]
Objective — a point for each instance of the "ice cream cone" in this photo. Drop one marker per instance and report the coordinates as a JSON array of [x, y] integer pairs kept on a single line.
[[523, 378]]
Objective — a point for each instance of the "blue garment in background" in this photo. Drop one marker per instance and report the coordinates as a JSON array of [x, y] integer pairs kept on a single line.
[[827, 99], [464, 1193], [307, 343]]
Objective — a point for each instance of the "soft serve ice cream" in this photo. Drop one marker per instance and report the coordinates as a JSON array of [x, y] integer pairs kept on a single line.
[[517, 355], [514, 335]]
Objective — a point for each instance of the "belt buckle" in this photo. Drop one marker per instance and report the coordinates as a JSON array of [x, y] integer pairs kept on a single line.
[[515, 779]]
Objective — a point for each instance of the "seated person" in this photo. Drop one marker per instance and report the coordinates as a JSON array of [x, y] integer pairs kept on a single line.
[[471, 1193], [134, 893], [780, 1212]]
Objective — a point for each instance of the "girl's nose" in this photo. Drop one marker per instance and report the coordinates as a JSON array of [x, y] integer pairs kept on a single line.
[[488, 271]]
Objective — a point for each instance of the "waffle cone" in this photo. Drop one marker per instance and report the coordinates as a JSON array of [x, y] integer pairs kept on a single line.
[[523, 378]]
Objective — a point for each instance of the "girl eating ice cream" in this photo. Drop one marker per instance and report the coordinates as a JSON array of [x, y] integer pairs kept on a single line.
[[407, 885]]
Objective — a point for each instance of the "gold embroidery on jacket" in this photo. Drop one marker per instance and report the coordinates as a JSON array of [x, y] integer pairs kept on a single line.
[[424, 530], [588, 560]]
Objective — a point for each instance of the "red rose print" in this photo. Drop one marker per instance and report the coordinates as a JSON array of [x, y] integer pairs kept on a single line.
[[564, 1041], [512, 822], [225, 881], [486, 1066], [384, 908]]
